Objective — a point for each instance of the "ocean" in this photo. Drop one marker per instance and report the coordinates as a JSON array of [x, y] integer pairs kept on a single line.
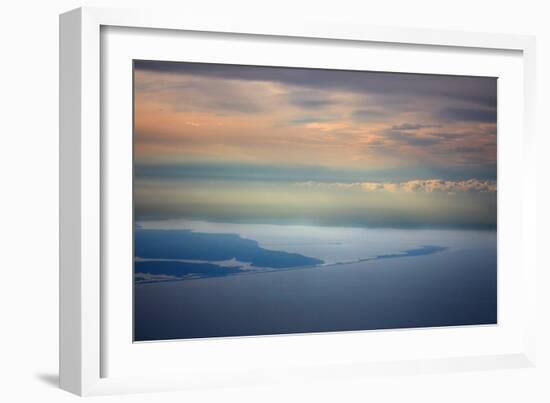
[[197, 279]]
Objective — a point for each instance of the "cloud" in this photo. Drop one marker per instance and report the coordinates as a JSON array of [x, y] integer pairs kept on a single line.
[[469, 115], [370, 114], [467, 149], [370, 186], [409, 126], [309, 99], [477, 90], [311, 103], [432, 185], [416, 185], [266, 173], [182, 93], [379, 125], [412, 138], [310, 119]]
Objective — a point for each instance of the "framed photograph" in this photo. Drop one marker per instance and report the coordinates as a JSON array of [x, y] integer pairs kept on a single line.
[[243, 203]]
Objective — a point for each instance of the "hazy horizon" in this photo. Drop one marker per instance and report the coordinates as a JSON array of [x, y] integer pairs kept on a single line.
[[230, 143]]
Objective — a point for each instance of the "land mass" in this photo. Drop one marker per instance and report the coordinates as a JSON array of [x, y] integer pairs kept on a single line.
[[168, 255]]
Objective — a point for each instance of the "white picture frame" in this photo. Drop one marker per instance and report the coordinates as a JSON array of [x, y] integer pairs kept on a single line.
[[85, 344]]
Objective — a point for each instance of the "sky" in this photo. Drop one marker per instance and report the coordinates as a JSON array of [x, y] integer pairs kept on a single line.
[[283, 145]]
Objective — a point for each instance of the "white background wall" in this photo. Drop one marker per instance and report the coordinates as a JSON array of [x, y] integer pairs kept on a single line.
[[29, 187]]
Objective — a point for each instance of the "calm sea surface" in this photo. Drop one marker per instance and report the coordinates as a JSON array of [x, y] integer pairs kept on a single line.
[[454, 286]]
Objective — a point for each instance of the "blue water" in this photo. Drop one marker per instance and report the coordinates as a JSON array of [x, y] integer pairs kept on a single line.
[[194, 282]]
